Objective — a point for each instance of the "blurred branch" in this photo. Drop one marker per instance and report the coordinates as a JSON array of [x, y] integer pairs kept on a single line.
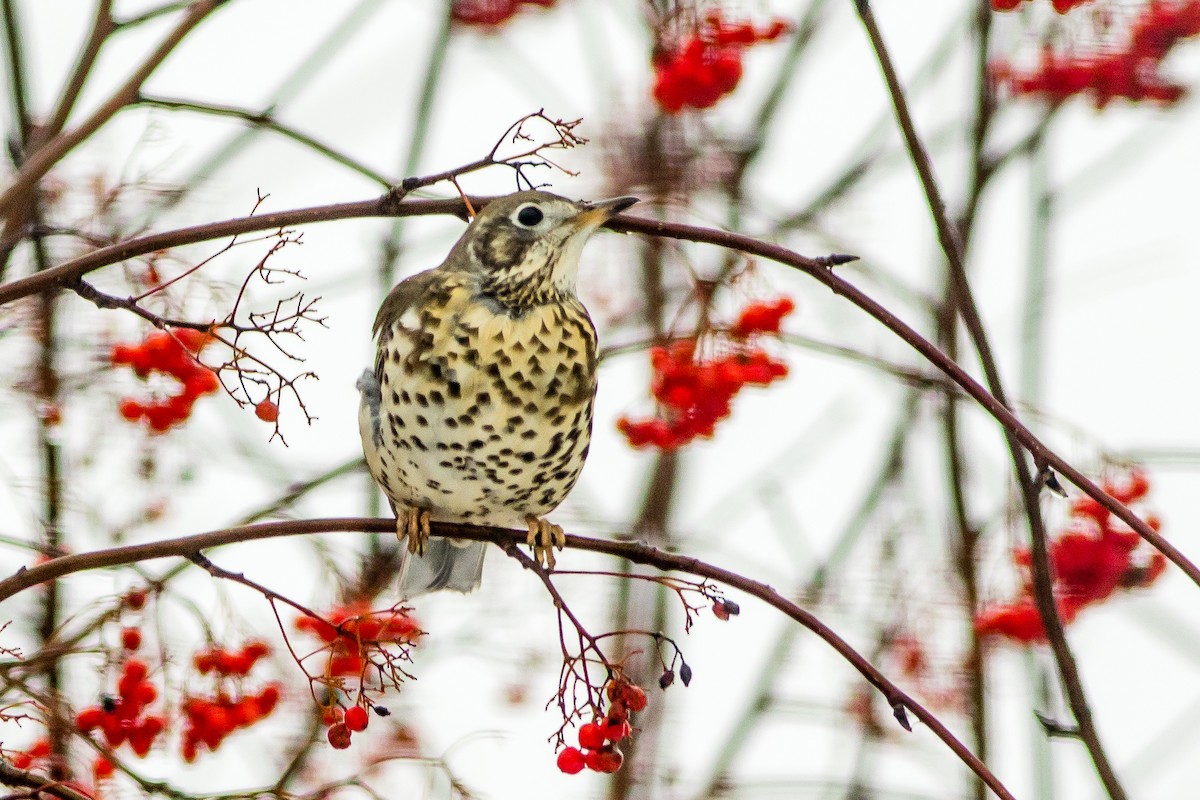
[[43, 159], [190, 546], [951, 242], [266, 121], [102, 27]]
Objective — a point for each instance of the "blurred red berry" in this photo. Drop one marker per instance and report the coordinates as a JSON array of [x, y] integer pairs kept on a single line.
[[102, 768], [131, 638]]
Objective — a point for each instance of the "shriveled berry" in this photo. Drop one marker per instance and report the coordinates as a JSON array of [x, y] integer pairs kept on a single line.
[[633, 697], [338, 736], [608, 760]]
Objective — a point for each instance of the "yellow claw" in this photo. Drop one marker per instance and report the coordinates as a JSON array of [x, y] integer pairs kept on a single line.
[[544, 537], [413, 524]]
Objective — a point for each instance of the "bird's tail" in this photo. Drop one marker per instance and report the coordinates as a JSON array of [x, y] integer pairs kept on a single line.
[[451, 564]]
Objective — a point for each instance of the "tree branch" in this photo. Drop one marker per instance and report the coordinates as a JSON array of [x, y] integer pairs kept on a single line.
[[189, 546]]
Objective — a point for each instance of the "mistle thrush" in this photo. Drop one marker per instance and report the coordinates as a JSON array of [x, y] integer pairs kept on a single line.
[[479, 408]]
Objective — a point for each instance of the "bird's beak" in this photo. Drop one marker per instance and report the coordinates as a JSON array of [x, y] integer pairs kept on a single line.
[[600, 211]]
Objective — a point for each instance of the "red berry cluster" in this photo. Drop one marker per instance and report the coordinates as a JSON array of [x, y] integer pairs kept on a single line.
[[695, 392], [1090, 561], [24, 759], [707, 65], [121, 718], [1131, 72], [39, 752], [171, 354], [491, 12], [344, 724], [1061, 6], [220, 661], [211, 719], [598, 739], [352, 630]]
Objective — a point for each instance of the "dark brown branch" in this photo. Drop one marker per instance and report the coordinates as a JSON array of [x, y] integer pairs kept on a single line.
[[188, 546], [817, 268]]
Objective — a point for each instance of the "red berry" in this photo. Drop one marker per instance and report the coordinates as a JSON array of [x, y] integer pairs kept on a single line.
[[633, 697], [135, 599], [570, 760], [145, 693], [591, 736], [608, 760], [136, 670], [267, 411], [254, 650], [267, 699], [356, 718], [616, 729], [89, 719], [131, 409], [131, 638], [204, 661], [338, 736], [102, 768]]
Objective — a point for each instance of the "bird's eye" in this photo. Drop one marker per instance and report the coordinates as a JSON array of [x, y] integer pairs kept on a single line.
[[529, 216]]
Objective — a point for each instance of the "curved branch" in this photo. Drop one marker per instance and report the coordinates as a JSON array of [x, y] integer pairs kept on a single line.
[[188, 546], [816, 268]]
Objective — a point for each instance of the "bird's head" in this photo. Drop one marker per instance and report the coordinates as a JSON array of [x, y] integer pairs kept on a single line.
[[525, 247]]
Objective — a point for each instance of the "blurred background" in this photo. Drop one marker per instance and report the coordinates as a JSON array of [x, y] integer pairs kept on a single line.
[[858, 485]]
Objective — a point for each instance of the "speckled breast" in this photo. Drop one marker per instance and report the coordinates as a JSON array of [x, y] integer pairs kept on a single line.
[[485, 415]]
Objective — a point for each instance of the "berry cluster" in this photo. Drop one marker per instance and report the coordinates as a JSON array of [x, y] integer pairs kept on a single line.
[[220, 661], [121, 718], [24, 759], [1090, 561], [171, 354], [695, 392], [598, 739], [707, 65], [353, 630], [344, 724], [1131, 71], [209, 720], [1061, 6], [491, 12], [38, 755]]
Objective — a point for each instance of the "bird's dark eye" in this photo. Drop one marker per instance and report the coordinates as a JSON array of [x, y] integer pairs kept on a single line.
[[529, 216]]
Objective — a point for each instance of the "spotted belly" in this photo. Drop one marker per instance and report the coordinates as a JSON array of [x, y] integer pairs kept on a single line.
[[484, 417]]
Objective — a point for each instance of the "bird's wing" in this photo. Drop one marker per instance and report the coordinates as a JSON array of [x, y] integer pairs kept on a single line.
[[405, 295], [408, 293]]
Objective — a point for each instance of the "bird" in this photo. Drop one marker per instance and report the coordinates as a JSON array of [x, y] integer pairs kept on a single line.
[[479, 406]]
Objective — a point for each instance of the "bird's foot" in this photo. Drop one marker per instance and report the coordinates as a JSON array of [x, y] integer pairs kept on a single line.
[[543, 537], [413, 524]]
